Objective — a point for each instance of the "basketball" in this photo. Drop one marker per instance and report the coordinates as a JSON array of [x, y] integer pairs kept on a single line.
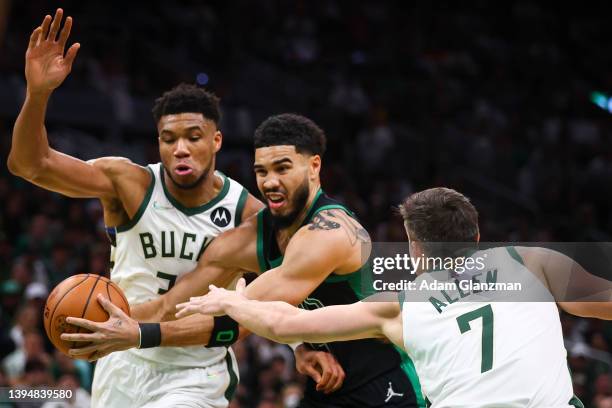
[[77, 297]]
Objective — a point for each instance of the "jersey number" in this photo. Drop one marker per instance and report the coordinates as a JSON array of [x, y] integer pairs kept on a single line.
[[487, 333], [170, 278]]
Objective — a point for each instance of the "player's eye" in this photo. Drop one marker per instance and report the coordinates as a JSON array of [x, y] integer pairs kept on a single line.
[[193, 138]]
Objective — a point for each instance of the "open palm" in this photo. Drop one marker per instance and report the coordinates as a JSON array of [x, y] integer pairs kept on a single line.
[[46, 66]]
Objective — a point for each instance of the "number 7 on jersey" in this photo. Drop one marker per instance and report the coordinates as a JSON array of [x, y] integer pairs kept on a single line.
[[486, 312]]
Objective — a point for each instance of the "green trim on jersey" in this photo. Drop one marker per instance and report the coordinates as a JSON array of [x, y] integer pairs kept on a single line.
[[401, 297], [575, 402], [240, 206], [515, 255], [143, 206], [408, 367], [261, 260], [194, 210], [233, 382], [310, 212]]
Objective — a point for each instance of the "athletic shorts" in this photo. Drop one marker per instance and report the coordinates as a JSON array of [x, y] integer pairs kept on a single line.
[[123, 380], [390, 390]]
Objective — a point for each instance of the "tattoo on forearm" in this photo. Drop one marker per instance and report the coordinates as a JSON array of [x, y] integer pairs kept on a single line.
[[321, 222], [354, 230]]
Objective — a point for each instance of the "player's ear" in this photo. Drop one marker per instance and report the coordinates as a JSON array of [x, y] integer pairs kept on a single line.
[[315, 166], [217, 140]]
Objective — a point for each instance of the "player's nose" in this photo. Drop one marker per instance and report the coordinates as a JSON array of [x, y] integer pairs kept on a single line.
[[181, 148], [270, 183]]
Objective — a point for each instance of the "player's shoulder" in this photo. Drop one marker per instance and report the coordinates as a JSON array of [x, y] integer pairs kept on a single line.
[[235, 245], [121, 168], [334, 229]]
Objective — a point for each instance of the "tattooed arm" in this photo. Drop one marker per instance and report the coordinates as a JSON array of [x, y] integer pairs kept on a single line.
[[332, 243]]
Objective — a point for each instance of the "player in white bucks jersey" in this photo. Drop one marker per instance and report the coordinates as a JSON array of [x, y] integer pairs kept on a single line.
[[150, 253], [492, 340], [164, 215]]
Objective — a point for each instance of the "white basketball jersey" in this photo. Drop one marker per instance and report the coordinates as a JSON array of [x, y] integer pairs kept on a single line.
[[162, 242], [483, 350]]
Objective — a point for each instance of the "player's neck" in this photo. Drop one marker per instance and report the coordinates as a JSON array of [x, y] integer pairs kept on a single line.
[[206, 190], [291, 229]]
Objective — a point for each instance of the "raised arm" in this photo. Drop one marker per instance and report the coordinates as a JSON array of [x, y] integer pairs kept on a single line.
[[577, 291], [46, 67]]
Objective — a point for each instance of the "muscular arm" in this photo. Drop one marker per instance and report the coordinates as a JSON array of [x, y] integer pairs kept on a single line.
[[30, 156], [284, 323], [576, 291], [222, 262], [314, 252]]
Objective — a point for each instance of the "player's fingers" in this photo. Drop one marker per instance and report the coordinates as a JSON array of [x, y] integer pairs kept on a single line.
[[338, 379], [34, 37], [83, 351], [65, 32], [325, 378], [45, 27], [109, 306], [240, 286], [80, 336], [341, 377], [212, 287], [310, 371], [55, 25], [84, 323], [71, 54], [186, 311]]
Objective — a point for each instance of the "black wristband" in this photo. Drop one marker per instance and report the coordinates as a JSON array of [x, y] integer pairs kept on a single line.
[[224, 332], [150, 335]]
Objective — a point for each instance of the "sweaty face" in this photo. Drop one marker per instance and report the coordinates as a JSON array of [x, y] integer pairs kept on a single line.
[[282, 179], [187, 146]]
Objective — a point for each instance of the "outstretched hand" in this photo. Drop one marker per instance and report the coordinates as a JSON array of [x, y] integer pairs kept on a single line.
[[46, 66], [119, 332], [214, 302]]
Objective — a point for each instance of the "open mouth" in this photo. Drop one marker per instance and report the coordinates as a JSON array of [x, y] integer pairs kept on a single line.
[[275, 200], [183, 170]]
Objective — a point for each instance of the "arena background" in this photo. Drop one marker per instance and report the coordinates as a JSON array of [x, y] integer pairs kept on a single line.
[[494, 99]]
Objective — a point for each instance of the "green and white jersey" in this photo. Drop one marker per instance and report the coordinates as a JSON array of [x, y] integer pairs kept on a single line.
[[483, 348], [163, 241]]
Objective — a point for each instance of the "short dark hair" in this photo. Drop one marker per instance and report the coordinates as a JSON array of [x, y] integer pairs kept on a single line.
[[440, 215], [293, 130], [187, 98]]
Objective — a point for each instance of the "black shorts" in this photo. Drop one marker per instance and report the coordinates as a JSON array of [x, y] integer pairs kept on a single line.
[[390, 390]]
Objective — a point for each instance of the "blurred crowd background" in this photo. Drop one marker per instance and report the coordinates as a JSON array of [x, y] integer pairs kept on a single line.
[[493, 99]]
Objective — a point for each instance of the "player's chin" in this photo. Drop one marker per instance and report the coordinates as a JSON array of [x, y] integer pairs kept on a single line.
[[186, 182]]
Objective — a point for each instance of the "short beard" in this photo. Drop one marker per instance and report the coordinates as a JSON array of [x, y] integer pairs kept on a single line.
[[301, 198], [193, 185]]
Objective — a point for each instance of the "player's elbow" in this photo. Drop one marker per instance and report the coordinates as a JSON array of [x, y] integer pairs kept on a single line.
[[20, 168]]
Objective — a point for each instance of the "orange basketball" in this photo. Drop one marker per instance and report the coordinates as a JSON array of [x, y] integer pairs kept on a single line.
[[76, 296]]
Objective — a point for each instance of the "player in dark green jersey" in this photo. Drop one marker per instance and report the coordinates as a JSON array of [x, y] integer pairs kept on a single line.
[[307, 250]]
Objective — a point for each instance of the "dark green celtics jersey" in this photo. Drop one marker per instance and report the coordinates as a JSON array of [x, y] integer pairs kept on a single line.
[[362, 360]]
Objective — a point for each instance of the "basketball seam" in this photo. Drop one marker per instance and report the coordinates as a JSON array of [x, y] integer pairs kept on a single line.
[[117, 289], [60, 300], [87, 303]]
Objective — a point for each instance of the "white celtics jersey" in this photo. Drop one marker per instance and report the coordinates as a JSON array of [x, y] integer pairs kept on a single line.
[[484, 349], [163, 241]]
